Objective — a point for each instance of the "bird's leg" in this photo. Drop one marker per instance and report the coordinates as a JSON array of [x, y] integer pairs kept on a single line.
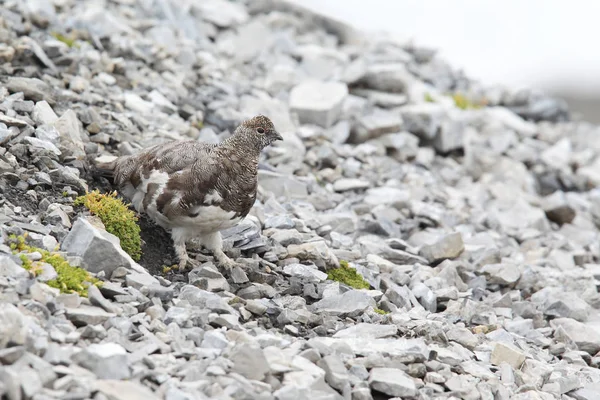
[[179, 239], [214, 243]]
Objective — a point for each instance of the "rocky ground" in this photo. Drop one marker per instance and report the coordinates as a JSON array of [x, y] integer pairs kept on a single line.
[[476, 226]]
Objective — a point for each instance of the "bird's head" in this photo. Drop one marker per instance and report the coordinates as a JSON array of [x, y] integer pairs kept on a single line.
[[259, 130]]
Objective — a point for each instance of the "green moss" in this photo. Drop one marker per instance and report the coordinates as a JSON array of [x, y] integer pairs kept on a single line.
[[380, 311], [69, 280], [199, 124], [348, 275], [428, 98], [68, 40], [462, 102], [117, 218]]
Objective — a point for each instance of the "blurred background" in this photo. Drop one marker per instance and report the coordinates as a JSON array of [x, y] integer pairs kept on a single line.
[[545, 44]]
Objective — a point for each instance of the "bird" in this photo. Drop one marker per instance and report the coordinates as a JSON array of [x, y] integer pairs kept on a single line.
[[195, 189]]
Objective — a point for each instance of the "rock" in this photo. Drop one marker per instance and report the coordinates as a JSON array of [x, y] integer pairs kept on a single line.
[[503, 353], [71, 139], [375, 125], [249, 362], [589, 391], [585, 337], [336, 374], [392, 382], [558, 210], [557, 304], [123, 390], [448, 247], [351, 303], [504, 274], [9, 267], [347, 184], [388, 77], [367, 331], [85, 315], [32, 88], [99, 250], [106, 361], [317, 252], [423, 120], [13, 327], [306, 272], [318, 103], [43, 114]]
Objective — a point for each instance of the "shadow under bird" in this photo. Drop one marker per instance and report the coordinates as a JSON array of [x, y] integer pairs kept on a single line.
[[195, 189]]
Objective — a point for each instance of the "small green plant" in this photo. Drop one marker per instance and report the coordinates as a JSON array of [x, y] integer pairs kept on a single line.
[[348, 275], [428, 98], [69, 280], [68, 40], [380, 311], [117, 218], [462, 102]]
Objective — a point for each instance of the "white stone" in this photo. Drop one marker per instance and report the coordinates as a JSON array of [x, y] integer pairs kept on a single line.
[[317, 102], [392, 382]]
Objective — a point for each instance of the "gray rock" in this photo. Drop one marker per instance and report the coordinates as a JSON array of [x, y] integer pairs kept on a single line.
[[71, 135], [208, 278], [586, 338], [558, 303], [13, 326], [318, 103], [86, 315], [388, 77], [424, 120], [99, 249], [106, 361], [317, 252], [336, 374], [448, 247], [589, 391], [249, 361], [347, 184], [279, 222], [43, 114], [306, 272], [374, 125], [10, 267], [557, 208], [504, 353], [365, 330], [139, 280], [285, 237], [351, 303], [123, 390], [392, 382], [33, 89], [504, 274]]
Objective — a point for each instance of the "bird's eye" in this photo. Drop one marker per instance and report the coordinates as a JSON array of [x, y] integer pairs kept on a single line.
[[260, 130]]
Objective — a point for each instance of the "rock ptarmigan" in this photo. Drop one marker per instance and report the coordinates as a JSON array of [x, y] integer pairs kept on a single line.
[[195, 189]]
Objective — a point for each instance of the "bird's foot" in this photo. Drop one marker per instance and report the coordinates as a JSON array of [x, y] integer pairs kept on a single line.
[[184, 259], [224, 261]]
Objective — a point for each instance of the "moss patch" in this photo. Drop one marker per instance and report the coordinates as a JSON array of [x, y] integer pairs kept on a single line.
[[117, 218], [348, 275], [429, 98], [380, 311], [68, 40], [70, 279], [462, 102]]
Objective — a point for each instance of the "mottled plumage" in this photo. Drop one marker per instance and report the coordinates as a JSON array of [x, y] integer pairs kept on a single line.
[[196, 189]]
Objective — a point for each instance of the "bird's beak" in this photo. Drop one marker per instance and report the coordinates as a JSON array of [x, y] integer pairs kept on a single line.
[[278, 136]]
